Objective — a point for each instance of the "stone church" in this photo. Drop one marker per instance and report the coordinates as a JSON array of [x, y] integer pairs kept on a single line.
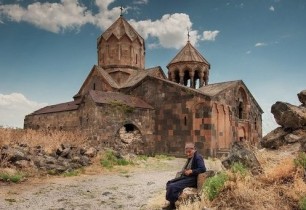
[[125, 106]]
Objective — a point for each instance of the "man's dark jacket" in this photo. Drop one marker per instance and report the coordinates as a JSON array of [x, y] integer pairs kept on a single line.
[[197, 165]]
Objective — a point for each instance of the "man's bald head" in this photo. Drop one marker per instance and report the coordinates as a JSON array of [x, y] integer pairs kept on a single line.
[[189, 145]]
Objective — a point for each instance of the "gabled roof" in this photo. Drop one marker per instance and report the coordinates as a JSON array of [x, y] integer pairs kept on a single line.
[[189, 54], [68, 106], [119, 28], [101, 97], [183, 87], [156, 71], [216, 88], [135, 78], [141, 74], [103, 73]]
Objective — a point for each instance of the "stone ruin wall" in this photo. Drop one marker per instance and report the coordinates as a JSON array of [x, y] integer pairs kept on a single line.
[[67, 121], [101, 124]]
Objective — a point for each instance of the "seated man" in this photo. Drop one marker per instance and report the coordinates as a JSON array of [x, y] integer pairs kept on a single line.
[[187, 177]]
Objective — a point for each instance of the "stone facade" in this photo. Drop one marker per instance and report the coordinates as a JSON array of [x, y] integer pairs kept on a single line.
[[127, 107]]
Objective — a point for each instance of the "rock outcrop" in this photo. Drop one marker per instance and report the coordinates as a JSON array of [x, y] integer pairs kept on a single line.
[[289, 116], [292, 120], [240, 153], [63, 159], [302, 97]]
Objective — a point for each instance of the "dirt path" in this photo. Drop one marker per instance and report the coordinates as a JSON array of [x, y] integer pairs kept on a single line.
[[124, 189]]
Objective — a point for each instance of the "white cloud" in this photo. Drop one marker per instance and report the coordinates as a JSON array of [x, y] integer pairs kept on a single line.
[[260, 44], [14, 107], [54, 17], [141, 2], [248, 52], [170, 31], [210, 35], [271, 8]]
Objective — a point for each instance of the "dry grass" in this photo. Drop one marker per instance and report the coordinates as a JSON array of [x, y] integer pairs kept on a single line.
[[281, 186], [48, 140]]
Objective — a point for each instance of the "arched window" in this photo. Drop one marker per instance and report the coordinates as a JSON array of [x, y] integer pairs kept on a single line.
[[185, 120], [177, 76], [240, 110], [196, 79], [186, 78]]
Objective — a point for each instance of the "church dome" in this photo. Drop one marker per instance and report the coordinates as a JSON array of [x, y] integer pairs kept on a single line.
[[121, 46]]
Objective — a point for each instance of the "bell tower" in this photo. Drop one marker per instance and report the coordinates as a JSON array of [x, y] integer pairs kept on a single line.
[[189, 67]]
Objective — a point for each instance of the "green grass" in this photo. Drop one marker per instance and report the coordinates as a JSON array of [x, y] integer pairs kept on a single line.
[[75, 172], [213, 185], [142, 157], [302, 203], [239, 168], [164, 157], [17, 177], [109, 160], [301, 160]]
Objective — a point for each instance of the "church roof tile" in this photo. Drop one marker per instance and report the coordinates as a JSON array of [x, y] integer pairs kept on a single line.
[[189, 54], [119, 28]]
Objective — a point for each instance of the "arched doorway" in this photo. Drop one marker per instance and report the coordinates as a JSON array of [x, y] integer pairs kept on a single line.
[[129, 139], [241, 134]]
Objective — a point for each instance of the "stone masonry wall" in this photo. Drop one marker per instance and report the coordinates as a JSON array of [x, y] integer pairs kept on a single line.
[[68, 121], [175, 123], [251, 120]]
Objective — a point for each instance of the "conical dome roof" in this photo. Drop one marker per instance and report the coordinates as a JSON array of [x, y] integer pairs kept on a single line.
[[119, 28], [189, 54]]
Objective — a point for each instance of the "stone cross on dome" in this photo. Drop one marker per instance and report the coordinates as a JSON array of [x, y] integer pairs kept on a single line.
[[121, 12], [188, 35]]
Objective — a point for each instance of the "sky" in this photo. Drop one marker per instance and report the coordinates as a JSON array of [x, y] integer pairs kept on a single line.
[[47, 48]]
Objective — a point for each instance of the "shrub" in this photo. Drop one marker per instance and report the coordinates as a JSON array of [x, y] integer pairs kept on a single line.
[[16, 177], [302, 203], [109, 160], [239, 168], [213, 185], [300, 160]]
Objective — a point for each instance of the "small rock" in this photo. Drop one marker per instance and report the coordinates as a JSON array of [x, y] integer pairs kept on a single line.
[[291, 138], [91, 152], [106, 193]]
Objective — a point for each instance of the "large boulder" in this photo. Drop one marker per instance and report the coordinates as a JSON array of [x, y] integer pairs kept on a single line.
[[289, 116], [302, 97], [274, 139], [240, 153]]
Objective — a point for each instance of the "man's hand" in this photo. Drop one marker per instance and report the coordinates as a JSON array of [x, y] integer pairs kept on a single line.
[[188, 172]]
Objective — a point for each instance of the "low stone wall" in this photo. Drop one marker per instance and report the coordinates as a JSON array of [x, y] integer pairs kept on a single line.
[[65, 158]]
